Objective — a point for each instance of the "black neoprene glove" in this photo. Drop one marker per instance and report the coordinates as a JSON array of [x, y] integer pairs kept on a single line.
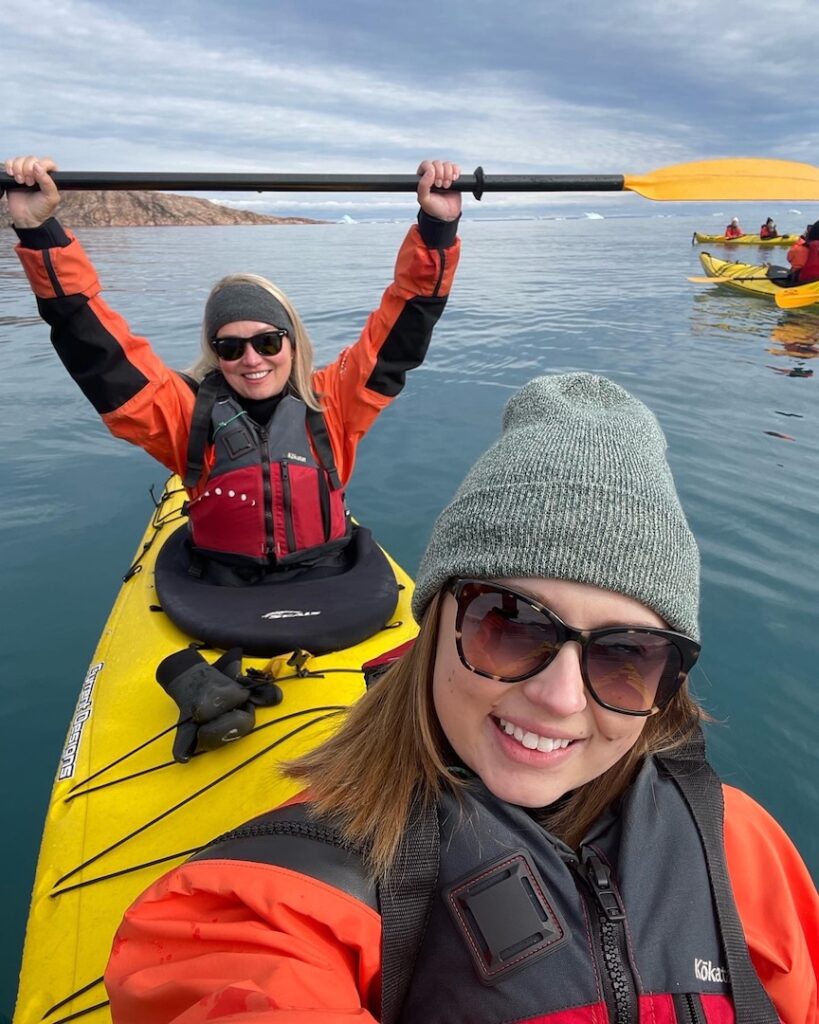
[[214, 707]]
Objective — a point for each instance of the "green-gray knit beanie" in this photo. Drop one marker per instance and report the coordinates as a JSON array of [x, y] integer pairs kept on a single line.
[[577, 487]]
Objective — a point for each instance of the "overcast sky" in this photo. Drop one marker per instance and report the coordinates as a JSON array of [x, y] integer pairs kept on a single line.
[[532, 86]]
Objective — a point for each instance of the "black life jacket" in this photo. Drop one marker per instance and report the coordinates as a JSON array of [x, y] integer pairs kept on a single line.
[[267, 500], [488, 919]]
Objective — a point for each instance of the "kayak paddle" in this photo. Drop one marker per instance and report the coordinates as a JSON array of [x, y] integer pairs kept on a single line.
[[735, 179], [724, 277]]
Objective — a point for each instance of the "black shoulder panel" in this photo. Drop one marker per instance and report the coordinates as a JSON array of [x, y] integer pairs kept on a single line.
[[91, 354], [406, 345], [290, 838]]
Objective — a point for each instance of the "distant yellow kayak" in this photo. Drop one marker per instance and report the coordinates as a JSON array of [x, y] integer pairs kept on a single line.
[[745, 239], [122, 811]]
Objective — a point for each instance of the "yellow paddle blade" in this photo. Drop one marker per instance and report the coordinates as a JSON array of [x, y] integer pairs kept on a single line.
[[734, 180], [793, 298]]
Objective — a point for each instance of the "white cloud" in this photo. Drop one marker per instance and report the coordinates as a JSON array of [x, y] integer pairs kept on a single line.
[[640, 86]]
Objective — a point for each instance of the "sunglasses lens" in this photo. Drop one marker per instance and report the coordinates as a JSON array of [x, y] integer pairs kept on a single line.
[[267, 344], [632, 670], [230, 349], [501, 635]]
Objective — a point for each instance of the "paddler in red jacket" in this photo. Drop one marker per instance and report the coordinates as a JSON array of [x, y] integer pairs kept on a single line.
[[517, 822], [803, 256], [733, 230], [769, 229]]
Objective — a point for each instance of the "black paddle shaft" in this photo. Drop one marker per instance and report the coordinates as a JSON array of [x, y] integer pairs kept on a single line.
[[476, 183]]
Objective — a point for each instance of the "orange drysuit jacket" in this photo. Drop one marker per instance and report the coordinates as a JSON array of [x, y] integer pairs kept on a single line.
[[143, 401], [797, 255], [233, 941]]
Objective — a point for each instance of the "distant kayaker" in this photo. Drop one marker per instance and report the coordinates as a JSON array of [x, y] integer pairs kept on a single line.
[[803, 256], [733, 230], [517, 822], [264, 443], [768, 229]]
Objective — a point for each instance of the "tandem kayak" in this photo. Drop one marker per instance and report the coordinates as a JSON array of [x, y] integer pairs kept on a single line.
[[122, 811], [745, 239], [759, 280]]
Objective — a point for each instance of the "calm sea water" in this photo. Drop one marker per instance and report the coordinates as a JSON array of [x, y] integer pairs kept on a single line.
[[532, 297]]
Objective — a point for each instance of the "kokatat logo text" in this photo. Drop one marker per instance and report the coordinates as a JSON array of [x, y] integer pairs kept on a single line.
[[704, 970]]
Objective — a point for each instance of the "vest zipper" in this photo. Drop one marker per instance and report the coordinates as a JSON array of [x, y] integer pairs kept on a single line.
[[287, 501], [688, 1009], [621, 995], [267, 485], [324, 502]]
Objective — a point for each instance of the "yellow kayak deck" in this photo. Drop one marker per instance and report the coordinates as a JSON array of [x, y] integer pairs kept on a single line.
[[122, 812]]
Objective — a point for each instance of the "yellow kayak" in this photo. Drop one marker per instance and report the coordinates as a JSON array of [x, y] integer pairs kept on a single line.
[[745, 239], [753, 279], [122, 811]]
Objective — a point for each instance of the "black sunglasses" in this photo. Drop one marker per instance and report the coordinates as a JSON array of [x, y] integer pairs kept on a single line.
[[268, 343], [508, 636]]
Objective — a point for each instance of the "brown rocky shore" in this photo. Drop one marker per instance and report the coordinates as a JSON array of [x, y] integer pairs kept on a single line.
[[150, 209]]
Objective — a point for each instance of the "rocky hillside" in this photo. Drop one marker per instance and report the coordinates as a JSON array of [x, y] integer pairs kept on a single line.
[[149, 209]]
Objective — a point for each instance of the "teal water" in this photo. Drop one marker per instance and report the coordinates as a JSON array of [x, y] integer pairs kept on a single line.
[[532, 297]]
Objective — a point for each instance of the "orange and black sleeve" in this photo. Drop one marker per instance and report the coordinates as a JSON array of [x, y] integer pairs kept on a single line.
[[138, 397]]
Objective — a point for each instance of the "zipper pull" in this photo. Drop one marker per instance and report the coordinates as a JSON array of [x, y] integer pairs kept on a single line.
[[599, 878]]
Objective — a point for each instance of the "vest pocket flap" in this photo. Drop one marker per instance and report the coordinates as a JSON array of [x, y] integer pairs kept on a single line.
[[237, 442], [504, 914]]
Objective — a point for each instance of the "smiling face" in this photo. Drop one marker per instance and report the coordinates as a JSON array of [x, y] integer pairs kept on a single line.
[[533, 741], [252, 375]]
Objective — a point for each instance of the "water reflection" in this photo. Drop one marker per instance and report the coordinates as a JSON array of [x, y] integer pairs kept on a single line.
[[795, 339], [797, 336]]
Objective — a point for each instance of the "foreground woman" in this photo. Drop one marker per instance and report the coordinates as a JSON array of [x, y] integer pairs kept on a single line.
[[517, 822]]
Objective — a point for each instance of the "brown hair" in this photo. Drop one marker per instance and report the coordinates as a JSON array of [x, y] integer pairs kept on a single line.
[[391, 748], [302, 371]]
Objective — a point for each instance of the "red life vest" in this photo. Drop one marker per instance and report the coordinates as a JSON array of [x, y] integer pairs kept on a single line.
[[810, 269], [732, 231], [267, 501]]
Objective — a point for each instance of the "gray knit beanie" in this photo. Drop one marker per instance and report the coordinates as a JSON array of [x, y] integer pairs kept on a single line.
[[242, 300], [577, 487]]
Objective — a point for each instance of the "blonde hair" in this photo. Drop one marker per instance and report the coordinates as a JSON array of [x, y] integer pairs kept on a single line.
[[302, 372], [392, 749]]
